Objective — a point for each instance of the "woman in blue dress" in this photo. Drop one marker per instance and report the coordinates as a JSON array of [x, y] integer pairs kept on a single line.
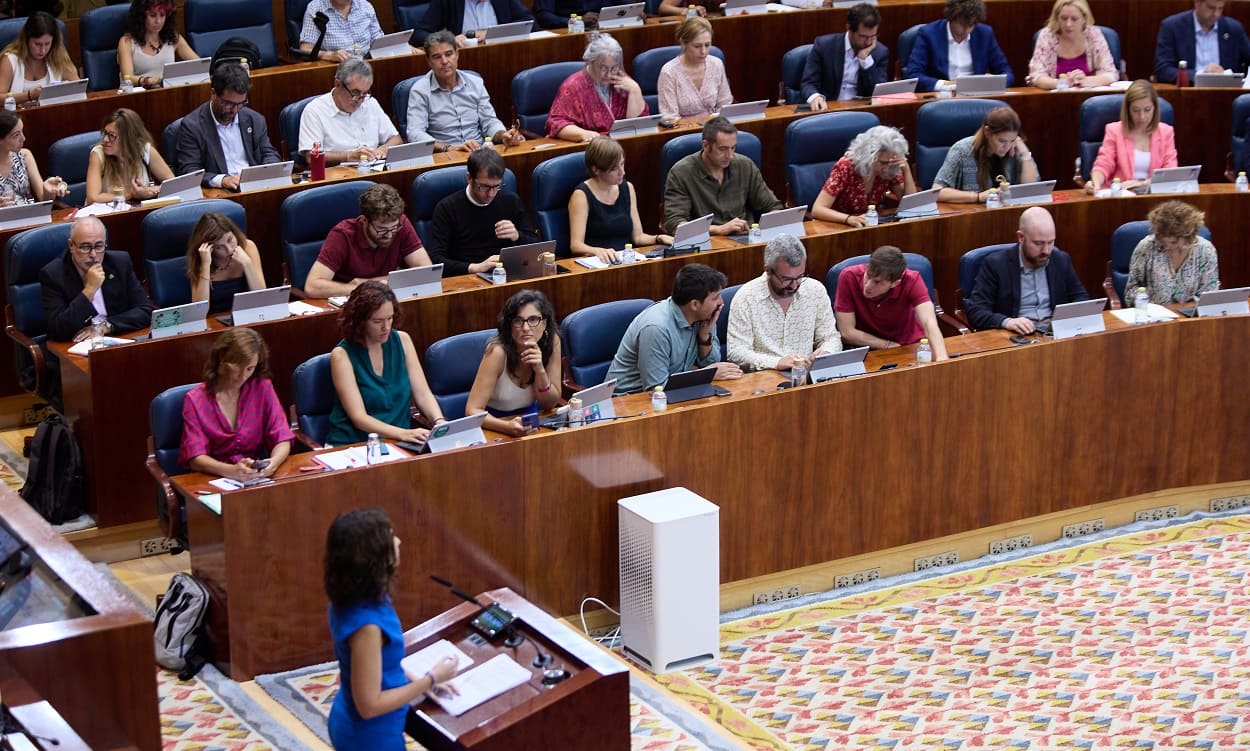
[[362, 554]]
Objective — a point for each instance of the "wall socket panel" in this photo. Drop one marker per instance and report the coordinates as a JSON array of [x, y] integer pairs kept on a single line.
[[938, 559], [1080, 529], [155, 546], [35, 415], [776, 595], [858, 577], [1008, 544], [1228, 504], [1157, 514]]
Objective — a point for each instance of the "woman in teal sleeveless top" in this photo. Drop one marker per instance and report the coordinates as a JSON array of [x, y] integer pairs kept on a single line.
[[376, 373]]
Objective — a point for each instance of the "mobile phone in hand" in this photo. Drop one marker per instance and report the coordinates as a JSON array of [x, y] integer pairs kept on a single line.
[[260, 464]]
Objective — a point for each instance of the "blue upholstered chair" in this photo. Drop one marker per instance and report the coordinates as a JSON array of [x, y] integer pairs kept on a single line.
[[450, 367], [645, 69], [288, 128], [906, 40], [1241, 111], [169, 144], [792, 64], [67, 158], [24, 255], [293, 15], [409, 13], [1123, 240], [99, 31], [915, 262], [940, 124], [813, 144], [307, 216], [1096, 112], [591, 336], [312, 397], [432, 186], [399, 104], [165, 422], [722, 323], [210, 22], [552, 183], [969, 267], [534, 90], [11, 27], [676, 148], [165, 232]]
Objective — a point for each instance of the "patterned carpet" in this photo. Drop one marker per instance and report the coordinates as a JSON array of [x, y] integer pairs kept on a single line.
[[211, 713], [1135, 641]]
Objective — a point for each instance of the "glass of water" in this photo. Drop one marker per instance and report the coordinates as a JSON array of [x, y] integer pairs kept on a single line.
[[798, 374], [119, 197], [97, 334]]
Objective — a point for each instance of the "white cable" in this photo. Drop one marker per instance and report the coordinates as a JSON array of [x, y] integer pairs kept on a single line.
[[581, 611]]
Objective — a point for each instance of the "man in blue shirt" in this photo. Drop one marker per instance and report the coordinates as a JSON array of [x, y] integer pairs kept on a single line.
[[674, 335]]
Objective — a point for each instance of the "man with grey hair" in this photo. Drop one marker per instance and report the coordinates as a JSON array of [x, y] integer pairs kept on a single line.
[[91, 284], [465, 18], [781, 317], [347, 120], [451, 106]]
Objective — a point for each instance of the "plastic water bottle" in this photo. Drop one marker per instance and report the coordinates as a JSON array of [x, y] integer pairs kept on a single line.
[[1141, 306], [628, 255], [579, 25], [1063, 82], [363, 164], [1117, 188], [498, 275], [991, 199], [924, 353], [870, 217], [755, 235], [1182, 73], [1243, 186], [691, 11], [548, 260], [10, 103], [659, 399], [373, 449], [577, 415], [573, 23]]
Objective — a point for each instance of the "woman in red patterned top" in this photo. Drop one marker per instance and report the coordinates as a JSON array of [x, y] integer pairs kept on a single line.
[[875, 167], [233, 420]]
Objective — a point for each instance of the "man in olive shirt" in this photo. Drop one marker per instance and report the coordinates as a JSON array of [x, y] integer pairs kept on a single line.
[[717, 181]]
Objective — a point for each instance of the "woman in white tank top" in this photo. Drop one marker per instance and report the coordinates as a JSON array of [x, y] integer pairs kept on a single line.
[[521, 364], [125, 158], [36, 58], [150, 42]]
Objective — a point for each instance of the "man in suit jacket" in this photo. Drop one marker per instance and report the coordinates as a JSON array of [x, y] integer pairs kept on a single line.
[[1204, 39], [1019, 286], [462, 17], [89, 283], [964, 35], [827, 75], [222, 136]]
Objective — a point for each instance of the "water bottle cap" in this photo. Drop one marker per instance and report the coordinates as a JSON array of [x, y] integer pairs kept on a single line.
[[659, 389], [1183, 64], [1241, 174], [872, 207], [924, 341], [499, 265]]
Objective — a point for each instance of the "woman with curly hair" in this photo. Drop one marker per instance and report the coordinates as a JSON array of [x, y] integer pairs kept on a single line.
[[521, 365], [1174, 263], [874, 168], [150, 42]]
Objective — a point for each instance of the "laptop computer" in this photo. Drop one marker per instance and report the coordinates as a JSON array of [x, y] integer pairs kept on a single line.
[[692, 384], [179, 187], [417, 281], [505, 32], [25, 214], [848, 362], [892, 88], [521, 261], [1176, 179], [268, 304], [60, 93], [740, 111], [783, 222], [1076, 318], [744, 7], [1226, 80], [689, 237], [633, 126], [616, 16], [259, 176], [988, 84], [455, 434], [392, 45], [185, 72], [1224, 302], [596, 402], [404, 155], [180, 319], [922, 203], [1039, 192]]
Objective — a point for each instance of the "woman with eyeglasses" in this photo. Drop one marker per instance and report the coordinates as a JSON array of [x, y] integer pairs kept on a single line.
[[994, 157], [875, 168], [151, 42], [20, 181], [376, 373], [221, 261], [125, 162], [590, 100], [521, 365], [35, 59]]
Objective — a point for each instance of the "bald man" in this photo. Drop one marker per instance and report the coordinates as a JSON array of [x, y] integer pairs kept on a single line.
[[90, 283], [1021, 285]]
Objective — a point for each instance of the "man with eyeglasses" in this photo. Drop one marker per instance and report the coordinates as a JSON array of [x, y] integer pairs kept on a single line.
[[471, 226], [451, 106], [365, 247], [90, 284], [848, 65], [347, 120], [223, 135], [781, 317]]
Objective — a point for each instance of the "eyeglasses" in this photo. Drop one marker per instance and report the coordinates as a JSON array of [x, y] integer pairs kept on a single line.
[[109, 135], [787, 280], [227, 104], [487, 187], [357, 96], [532, 322], [87, 249], [608, 70], [385, 231]]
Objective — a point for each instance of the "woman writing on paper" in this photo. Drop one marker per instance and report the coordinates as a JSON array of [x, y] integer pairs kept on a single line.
[[874, 168], [221, 261], [1174, 263], [369, 712], [603, 210], [995, 156], [125, 162], [1070, 45], [20, 181], [1135, 147], [35, 59], [151, 42]]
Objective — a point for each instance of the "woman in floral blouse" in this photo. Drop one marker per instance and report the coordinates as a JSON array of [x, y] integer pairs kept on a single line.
[[874, 168], [1173, 263]]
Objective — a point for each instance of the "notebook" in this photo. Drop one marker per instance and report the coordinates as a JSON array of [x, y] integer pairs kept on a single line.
[[783, 222], [404, 155], [1176, 179], [736, 113], [1076, 318], [916, 205], [392, 45], [1226, 80], [260, 305], [1224, 302], [1039, 192], [692, 384], [687, 238], [848, 362], [60, 93], [616, 16], [181, 188], [988, 84], [596, 402], [505, 32], [633, 126]]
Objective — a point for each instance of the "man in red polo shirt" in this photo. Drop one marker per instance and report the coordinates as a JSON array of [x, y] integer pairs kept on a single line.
[[885, 304]]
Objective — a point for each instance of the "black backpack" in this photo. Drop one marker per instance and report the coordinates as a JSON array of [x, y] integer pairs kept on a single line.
[[235, 49], [54, 480]]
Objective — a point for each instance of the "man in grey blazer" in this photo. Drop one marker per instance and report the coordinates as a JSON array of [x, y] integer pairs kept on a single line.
[[222, 136]]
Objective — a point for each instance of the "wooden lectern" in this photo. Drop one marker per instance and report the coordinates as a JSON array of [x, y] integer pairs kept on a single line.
[[588, 709]]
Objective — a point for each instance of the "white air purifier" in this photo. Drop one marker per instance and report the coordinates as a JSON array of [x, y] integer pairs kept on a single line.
[[670, 579]]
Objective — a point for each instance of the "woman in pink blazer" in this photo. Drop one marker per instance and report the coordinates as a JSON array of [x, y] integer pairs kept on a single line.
[[1135, 147]]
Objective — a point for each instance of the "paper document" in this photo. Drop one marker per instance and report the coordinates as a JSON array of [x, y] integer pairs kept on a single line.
[[421, 662], [1157, 313], [337, 301], [301, 308], [82, 348], [356, 456], [593, 262], [212, 501], [481, 684], [98, 209]]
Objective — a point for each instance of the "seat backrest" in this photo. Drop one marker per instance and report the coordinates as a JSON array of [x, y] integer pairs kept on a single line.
[[293, 13], [165, 232], [1241, 111], [312, 392], [722, 323], [940, 124], [813, 144], [307, 216], [1096, 112], [970, 266], [675, 149], [99, 31], [592, 335], [432, 186], [211, 22], [534, 89], [645, 69], [1123, 241], [169, 144], [792, 64], [288, 126], [67, 158], [10, 28], [915, 262], [906, 40], [552, 183], [165, 422], [399, 105], [450, 367], [408, 14], [24, 255]]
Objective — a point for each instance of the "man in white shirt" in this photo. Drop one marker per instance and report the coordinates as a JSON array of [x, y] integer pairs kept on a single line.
[[347, 121], [222, 136], [782, 317]]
